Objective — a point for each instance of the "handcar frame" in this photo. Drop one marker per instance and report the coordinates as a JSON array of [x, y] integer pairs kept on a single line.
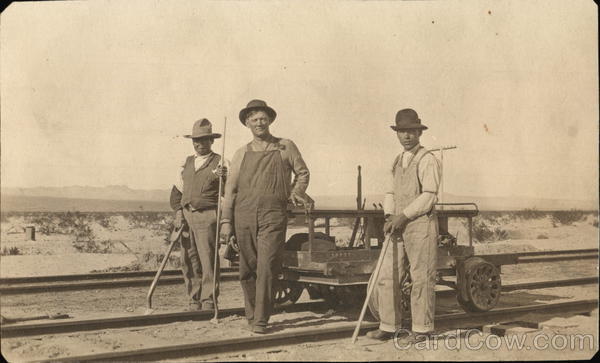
[[313, 261]]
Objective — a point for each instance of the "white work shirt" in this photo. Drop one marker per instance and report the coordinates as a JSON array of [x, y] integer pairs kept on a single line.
[[429, 176]]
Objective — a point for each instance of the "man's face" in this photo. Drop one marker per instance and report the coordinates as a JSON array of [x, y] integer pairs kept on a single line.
[[409, 138], [258, 122], [202, 145]]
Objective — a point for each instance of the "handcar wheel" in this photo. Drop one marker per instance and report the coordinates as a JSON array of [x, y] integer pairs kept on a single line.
[[480, 287], [287, 292], [406, 288], [372, 309]]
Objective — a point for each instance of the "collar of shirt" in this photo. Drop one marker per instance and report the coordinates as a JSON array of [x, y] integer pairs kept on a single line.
[[414, 149], [407, 154], [200, 160], [268, 144]]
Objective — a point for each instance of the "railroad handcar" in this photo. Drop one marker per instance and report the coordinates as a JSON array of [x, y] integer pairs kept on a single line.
[[339, 274]]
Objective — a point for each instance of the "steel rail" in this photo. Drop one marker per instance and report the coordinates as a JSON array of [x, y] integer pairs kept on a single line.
[[132, 274], [557, 258], [129, 321], [93, 276], [557, 252], [66, 326], [101, 284], [443, 321], [19, 285]]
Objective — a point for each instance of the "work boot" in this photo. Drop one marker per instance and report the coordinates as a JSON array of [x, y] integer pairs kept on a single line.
[[208, 305], [259, 329], [380, 335]]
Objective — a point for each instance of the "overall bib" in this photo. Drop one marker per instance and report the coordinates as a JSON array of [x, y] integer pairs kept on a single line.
[[260, 226], [417, 245]]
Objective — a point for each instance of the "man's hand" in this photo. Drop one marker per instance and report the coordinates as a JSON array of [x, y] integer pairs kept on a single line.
[[233, 243], [225, 231], [395, 223], [221, 171], [301, 200], [178, 221]]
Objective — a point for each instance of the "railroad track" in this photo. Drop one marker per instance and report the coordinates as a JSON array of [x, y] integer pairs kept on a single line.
[[66, 326], [93, 281], [545, 256], [442, 321], [93, 276]]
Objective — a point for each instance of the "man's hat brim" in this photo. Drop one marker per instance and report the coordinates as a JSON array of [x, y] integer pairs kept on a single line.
[[203, 136], [409, 127], [244, 112]]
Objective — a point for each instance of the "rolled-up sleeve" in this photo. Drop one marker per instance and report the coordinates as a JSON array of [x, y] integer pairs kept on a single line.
[[233, 174], [429, 176], [177, 190], [301, 172]]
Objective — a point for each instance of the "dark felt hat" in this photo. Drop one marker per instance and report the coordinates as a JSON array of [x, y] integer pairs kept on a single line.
[[256, 105], [202, 128], [407, 119]]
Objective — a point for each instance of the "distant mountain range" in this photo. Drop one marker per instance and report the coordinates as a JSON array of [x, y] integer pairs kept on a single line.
[[111, 192], [122, 198]]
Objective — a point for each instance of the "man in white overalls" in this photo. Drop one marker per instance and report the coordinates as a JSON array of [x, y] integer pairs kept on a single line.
[[410, 217]]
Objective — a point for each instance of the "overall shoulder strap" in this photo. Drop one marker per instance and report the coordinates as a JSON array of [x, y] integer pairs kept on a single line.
[[422, 153]]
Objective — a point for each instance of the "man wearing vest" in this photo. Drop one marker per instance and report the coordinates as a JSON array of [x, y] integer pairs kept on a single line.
[[256, 195], [194, 198], [410, 217]]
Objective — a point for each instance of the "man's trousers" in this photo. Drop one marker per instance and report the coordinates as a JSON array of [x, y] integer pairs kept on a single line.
[[197, 255], [417, 245]]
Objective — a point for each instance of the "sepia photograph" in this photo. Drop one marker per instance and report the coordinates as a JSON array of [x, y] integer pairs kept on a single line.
[[279, 180]]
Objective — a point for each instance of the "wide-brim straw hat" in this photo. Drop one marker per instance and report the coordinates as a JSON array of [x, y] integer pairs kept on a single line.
[[202, 129], [407, 119], [256, 105]]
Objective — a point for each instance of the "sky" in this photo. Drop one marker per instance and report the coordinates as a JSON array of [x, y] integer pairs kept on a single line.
[[100, 92]]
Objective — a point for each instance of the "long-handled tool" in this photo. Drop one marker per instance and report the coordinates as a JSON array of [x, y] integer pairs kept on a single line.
[[175, 235], [373, 282], [359, 206], [215, 320]]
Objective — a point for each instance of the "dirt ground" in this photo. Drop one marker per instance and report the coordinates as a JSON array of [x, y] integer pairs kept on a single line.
[[32, 348], [54, 254]]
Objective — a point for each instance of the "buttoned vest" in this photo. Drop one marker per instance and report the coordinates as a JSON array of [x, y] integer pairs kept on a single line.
[[201, 187]]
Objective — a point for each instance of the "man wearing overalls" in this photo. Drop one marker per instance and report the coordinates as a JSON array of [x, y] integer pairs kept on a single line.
[[256, 195], [410, 217]]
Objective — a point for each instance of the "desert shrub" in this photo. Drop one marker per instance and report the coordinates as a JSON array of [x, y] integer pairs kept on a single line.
[[10, 251], [500, 234], [483, 232], [43, 222], [103, 219], [153, 260], [531, 213], [567, 217], [595, 223], [542, 236], [85, 240], [149, 220]]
